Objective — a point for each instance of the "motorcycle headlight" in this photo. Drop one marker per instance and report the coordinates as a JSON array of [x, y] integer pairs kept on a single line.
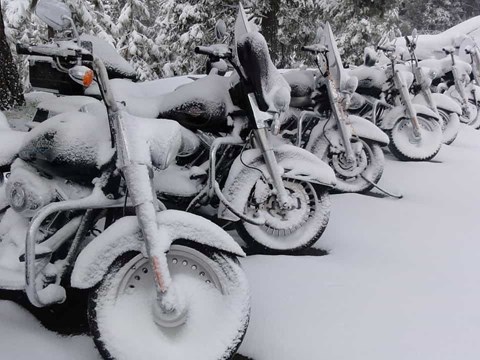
[[23, 200], [27, 192], [17, 197]]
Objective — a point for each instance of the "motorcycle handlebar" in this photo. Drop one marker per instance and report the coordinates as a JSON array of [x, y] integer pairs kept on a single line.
[[314, 48], [214, 51], [39, 50]]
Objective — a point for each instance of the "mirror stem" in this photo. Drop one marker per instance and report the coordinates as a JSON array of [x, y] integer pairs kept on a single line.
[[74, 28]]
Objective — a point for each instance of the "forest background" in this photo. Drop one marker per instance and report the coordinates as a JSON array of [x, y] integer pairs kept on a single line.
[[158, 36]]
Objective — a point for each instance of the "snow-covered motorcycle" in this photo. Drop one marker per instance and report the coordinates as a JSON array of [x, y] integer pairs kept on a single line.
[[447, 109], [319, 121], [453, 79], [275, 193], [414, 129], [473, 50], [161, 282]]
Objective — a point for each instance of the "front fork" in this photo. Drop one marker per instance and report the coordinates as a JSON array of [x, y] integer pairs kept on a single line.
[[407, 101], [475, 55], [169, 302], [425, 89], [265, 146], [461, 91]]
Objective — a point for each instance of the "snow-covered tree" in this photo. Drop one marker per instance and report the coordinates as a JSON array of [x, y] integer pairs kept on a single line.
[[288, 25], [359, 23], [11, 92], [432, 15], [182, 25], [135, 31]]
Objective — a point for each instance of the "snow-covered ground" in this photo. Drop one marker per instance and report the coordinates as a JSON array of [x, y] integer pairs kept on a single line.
[[401, 281]]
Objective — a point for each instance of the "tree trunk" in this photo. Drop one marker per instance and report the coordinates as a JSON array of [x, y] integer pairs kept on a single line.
[[270, 29], [11, 92]]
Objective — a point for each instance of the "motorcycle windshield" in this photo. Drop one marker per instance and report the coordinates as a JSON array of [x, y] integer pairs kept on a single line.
[[271, 90], [337, 71]]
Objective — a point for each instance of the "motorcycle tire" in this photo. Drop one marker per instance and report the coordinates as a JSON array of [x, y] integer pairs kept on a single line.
[[214, 286], [450, 126], [405, 148], [370, 164], [290, 231]]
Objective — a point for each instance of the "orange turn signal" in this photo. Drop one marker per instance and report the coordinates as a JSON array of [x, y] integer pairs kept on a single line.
[[88, 78]]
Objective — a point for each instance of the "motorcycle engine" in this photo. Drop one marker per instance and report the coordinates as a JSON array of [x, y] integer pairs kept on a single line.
[[27, 191]]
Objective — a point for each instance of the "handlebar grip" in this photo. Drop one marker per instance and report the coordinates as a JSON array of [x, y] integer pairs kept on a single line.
[[203, 50], [315, 48], [39, 50], [215, 51], [24, 49]]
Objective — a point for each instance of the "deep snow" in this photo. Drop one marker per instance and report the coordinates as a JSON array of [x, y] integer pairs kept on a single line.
[[400, 282]]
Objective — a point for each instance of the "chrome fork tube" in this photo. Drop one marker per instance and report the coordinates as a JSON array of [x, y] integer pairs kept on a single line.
[[272, 166], [340, 117], [405, 95], [460, 88]]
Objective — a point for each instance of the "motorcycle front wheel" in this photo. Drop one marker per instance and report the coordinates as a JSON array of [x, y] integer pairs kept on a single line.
[[286, 231], [450, 126], [472, 117], [369, 164], [404, 146], [214, 287]]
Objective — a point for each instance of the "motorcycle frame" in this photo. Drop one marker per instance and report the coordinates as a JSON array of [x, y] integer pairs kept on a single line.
[[91, 202]]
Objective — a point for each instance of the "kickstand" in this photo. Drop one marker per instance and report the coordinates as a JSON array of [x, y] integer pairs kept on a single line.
[[399, 196]]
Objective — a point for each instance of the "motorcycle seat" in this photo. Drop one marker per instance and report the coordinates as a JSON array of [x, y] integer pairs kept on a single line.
[[302, 82], [202, 104], [370, 79], [271, 90], [10, 142]]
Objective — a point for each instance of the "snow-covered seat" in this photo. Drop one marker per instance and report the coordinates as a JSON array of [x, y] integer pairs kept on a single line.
[[444, 66], [202, 104], [78, 146], [10, 142], [302, 85]]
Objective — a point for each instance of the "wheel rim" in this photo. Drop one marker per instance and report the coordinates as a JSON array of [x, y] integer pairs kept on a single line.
[[217, 309], [417, 148], [370, 166], [347, 171], [471, 118], [280, 223], [304, 234], [182, 260]]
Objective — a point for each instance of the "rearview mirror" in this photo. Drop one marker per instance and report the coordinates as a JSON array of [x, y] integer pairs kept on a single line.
[[220, 30], [391, 36], [320, 34], [54, 13]]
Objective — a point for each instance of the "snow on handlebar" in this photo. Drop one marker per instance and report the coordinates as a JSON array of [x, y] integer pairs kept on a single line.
[[315, 48], [219, 50], [51, 51]]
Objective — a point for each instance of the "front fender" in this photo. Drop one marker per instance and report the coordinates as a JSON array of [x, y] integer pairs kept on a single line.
[[398, 112], [125, 235], [365, 129], [296, 163], [442, 101]]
